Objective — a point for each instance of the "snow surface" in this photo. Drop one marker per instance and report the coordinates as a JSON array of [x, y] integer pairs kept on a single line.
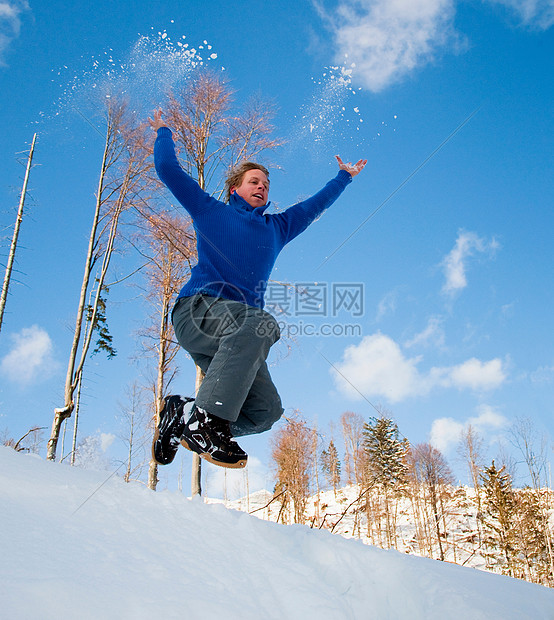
[[78, 545]]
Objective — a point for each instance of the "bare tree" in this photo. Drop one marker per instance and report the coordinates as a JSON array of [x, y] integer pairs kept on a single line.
[[292, 456], [330, 463], [33, 437], [534, 452], [532, 448], [120, 185], [315, 467], [505, 458], [352, 431], [532, 557], [15, 237], [133, 422], [470, 449], [431, 473], [214, 137], [167, 245]]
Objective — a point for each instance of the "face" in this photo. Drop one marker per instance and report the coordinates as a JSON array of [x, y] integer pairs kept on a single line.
[[254, 188]]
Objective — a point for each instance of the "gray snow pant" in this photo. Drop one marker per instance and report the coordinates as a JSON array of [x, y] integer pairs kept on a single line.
[[230, 342]]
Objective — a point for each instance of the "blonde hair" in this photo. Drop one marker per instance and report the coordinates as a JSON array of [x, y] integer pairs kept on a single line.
[[235, 176]]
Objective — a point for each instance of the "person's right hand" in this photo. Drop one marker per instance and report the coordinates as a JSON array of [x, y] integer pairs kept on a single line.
[[156, 122]]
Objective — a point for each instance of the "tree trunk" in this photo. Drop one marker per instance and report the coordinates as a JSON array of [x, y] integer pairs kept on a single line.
[[127, 475], [76, 422], [316, 473], [160, 382], [19, 219], [65, 412], [63, 440], [196, 473], [153, 475], [436, 515]]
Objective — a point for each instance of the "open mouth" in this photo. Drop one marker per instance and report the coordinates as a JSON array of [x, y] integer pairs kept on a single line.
[[257, 196]]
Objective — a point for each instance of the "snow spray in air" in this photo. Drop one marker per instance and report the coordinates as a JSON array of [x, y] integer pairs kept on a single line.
[[317, 123], [333, 116], [154, 66]]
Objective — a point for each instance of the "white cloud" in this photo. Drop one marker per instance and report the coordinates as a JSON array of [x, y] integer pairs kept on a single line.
[[10, 23], [455, 263], [432, 334], [543, 374], [385, 40], [472, 374], [488, 418], [388, 39], [387, 305], [377, 367], [446, 432], [30, 357], [533, 13]]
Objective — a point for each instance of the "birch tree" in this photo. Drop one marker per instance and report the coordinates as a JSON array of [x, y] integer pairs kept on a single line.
[[133, 431], [534, 451], [15, 236], [352, 432], [431, 475], [120, 185], [169, 247], [470, 448]]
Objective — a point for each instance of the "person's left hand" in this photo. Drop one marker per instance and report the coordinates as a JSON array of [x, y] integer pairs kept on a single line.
[[352, 169]]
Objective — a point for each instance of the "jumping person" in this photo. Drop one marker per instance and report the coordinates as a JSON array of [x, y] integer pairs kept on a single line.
[[218, 317]]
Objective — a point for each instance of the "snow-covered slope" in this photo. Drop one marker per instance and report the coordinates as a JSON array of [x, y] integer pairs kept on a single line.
[[127, 552]]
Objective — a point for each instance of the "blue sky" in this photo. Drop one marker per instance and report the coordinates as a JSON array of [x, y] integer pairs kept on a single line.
[[455, 267]]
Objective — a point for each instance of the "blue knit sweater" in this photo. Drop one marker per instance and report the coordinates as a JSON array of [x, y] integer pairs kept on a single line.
[[237, 244]]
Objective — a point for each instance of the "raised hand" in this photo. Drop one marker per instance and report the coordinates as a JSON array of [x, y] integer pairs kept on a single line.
[[352, 169], [156, 122]]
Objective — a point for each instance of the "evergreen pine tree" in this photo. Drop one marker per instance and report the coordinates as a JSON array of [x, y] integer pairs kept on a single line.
[[385, 452], [386, 470], [498, 515]]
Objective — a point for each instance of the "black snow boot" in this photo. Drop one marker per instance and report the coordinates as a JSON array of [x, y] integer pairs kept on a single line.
[[170, 428], [210, 437]]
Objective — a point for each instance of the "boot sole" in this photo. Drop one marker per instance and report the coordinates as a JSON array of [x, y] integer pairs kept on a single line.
[[207, 457], [156, 437]]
